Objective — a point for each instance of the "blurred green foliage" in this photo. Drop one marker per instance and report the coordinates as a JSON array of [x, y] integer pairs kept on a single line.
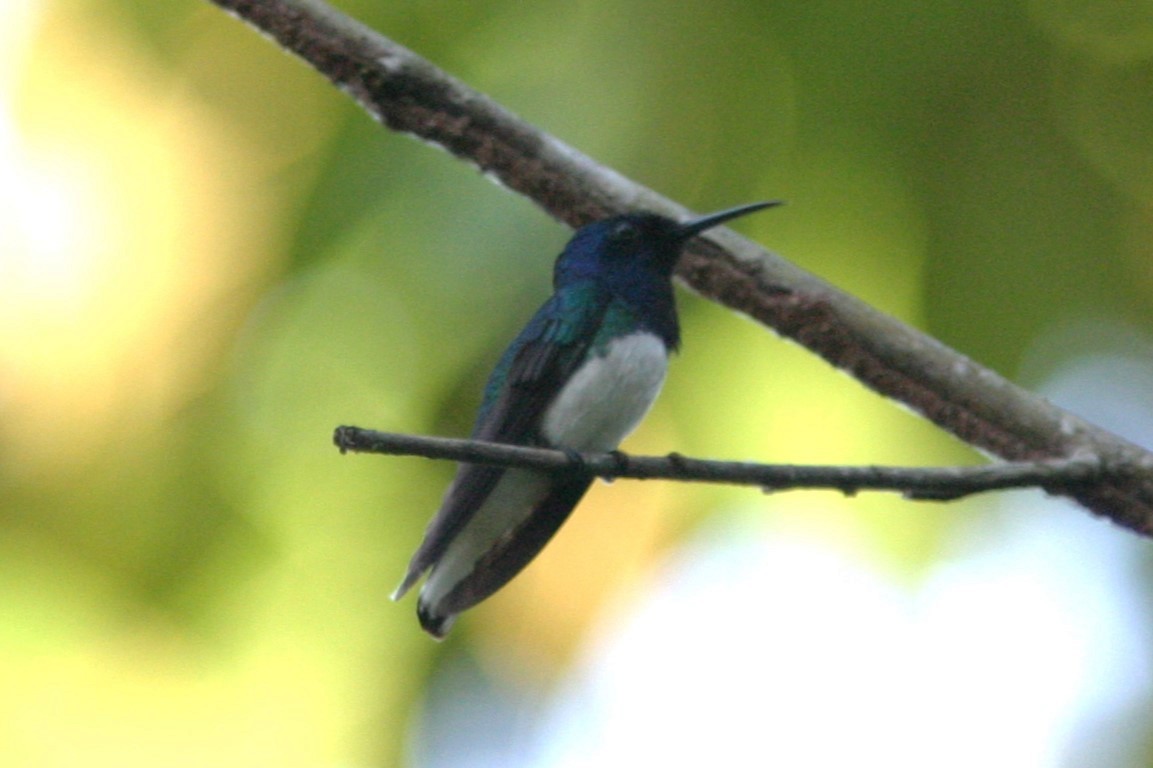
[[185, 555]]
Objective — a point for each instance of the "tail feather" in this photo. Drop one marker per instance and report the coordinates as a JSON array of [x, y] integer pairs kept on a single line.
[[440, 603], [433, 624], [409, 582]]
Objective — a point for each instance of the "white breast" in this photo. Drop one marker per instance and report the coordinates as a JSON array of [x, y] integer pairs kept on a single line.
[[607, 397]]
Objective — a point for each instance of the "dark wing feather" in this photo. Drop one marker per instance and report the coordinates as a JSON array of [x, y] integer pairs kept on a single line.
[[519, 390]]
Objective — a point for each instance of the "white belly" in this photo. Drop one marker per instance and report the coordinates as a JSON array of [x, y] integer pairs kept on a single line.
[[606, 399]]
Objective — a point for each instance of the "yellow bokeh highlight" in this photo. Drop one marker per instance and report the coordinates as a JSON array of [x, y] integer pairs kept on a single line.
[[119, 255], [127, 218], [128, 701]]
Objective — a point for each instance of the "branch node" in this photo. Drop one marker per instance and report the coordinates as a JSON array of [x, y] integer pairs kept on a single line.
[[577, 463], [621, 465], [340, 438]]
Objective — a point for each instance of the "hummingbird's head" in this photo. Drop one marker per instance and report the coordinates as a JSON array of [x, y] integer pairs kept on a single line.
[[635, 246]]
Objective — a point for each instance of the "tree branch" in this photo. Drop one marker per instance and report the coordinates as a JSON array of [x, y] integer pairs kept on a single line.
[[410, 95], [928, 483]]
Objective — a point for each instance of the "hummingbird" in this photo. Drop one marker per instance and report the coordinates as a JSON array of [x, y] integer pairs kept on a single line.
[[579, 377]]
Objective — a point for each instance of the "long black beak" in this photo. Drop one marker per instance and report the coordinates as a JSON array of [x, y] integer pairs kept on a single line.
[[698, 225]]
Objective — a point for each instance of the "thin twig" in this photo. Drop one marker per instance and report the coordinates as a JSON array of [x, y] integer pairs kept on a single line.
[[410, 95], [927, 483]]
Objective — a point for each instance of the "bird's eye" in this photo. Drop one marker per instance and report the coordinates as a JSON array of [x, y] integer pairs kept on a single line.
[[625, 232]]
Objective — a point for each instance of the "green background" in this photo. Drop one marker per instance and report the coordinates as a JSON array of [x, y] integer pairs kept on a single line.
[[211, 258]]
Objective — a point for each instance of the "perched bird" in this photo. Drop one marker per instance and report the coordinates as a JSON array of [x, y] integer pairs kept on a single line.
[[579, 377]]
